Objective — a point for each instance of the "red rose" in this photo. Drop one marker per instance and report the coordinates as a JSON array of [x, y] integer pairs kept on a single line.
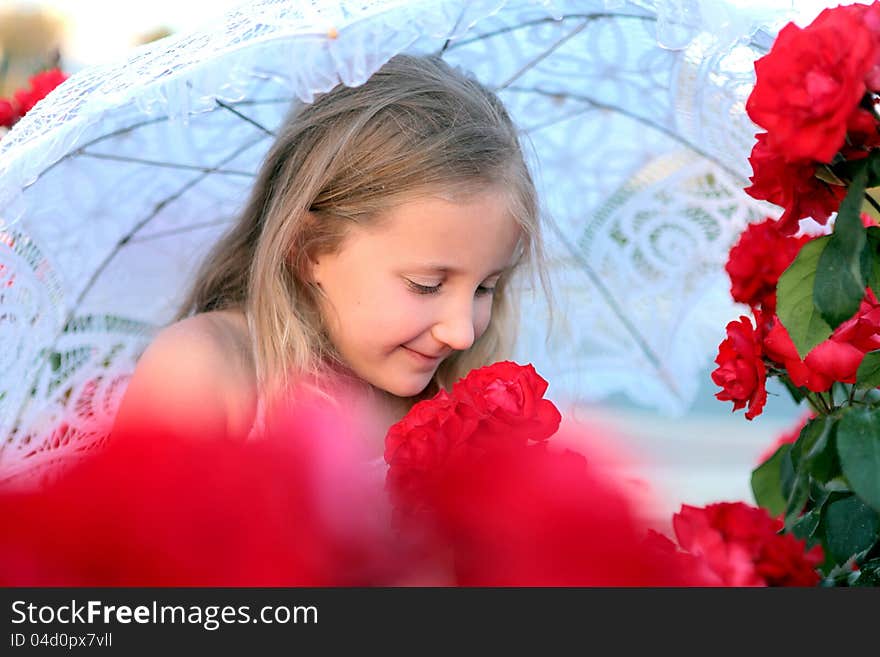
[[506, 399], [40, 86], [782, 561], [421, 447], [837, 358], [792, 185], [861, 135], [741, 544], [498, 407], [8, 114], [741, 371], [757, 260], [811, 81]]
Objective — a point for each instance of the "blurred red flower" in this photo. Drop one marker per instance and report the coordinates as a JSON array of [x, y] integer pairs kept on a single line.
[[8, 114], [742, 546], [23, 100], [294, 509], [539, 517]]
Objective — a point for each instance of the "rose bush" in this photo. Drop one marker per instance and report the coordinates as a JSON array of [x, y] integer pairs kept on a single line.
[[816, 98]]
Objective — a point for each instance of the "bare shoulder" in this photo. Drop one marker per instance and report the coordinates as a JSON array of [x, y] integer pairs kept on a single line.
[[196, 373]]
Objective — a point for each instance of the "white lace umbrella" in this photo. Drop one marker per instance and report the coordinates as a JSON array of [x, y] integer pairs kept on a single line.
[[116, 184]]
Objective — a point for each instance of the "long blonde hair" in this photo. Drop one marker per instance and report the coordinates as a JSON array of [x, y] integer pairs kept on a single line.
[[417, 125]]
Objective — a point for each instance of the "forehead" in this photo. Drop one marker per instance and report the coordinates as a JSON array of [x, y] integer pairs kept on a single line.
[[473, 229]]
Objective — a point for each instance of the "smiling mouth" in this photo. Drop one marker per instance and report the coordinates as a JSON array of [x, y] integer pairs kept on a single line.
[[423, 357]]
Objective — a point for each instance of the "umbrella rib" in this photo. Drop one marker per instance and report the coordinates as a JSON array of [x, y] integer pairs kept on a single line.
[[549, 19], [143, 222], [167, 165], [175, 231], [549, 51], [454, 28], [244, 117], [559, 119], [615, 308], [595, 104], [158, 119], [762, 45]]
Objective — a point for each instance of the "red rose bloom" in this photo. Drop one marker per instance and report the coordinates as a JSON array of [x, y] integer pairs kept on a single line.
[[809, 84], [792, 185], [837, 358], [498, 407], [506, 399], [741, 371], [741, 544], [757, 260], [421, 447]]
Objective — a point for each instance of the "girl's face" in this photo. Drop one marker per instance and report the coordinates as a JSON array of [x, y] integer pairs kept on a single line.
[[403, 294]]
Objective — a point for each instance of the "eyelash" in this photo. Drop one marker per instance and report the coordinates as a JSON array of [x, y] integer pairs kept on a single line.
[[434, 289]]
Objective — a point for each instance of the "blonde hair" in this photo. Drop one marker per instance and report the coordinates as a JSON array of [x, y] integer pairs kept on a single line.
[[415, 126]]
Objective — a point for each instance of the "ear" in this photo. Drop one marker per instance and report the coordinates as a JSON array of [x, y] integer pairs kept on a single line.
[[312, 270]]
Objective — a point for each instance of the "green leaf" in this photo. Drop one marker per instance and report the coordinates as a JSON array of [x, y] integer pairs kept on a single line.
[[787, 473], [797, 500], [873, 268], [840, 282], [794, 298], [849, 169], [858, 444], [868, 374], [872, 168], [817, 449], [767, 483], [805, 526], [798, 394], [850, 527]]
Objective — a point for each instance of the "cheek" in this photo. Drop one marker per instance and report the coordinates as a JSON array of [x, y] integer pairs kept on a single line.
[[482, 315], [395, 316]]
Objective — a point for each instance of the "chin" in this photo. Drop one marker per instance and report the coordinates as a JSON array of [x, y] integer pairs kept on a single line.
[[409, 388]]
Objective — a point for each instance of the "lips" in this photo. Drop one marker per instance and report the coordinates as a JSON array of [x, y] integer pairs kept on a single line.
[[426, 357]]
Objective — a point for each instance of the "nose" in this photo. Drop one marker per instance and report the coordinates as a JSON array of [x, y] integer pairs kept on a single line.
[[455, 326]]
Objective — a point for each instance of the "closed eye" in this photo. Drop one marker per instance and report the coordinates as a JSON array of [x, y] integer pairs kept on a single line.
[[482, 290], [423, 289]]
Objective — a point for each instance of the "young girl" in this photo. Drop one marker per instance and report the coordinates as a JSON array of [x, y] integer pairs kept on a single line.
[[377, 247]]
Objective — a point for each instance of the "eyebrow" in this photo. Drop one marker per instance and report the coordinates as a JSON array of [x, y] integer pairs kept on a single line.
[[443, 269]]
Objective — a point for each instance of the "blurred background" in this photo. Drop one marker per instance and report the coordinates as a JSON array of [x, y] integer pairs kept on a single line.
[[702, 456]]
